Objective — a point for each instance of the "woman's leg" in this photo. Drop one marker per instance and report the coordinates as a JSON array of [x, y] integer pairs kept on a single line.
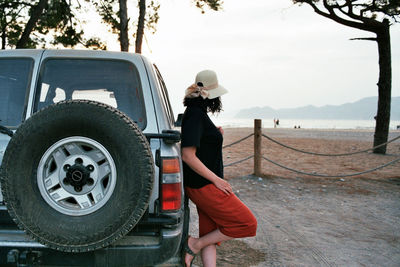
[[207, 225], [197, 244], [209, 256]]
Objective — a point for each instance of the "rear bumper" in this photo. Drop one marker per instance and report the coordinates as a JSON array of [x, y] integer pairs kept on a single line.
[[129, 251]]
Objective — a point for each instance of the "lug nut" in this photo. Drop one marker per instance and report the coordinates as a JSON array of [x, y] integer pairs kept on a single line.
[[90, 168], [66, 167]]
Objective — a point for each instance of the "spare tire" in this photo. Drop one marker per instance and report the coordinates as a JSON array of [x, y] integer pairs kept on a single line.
[[78, 175]]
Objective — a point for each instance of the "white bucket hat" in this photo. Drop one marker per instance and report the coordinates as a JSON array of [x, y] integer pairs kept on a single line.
[[206, 85]]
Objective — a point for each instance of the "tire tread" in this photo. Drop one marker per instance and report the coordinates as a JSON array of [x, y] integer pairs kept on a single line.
[[61, 243]]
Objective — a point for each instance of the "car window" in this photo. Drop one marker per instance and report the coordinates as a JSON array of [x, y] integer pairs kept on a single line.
[[165, 96], [15, 75], [113, 82]]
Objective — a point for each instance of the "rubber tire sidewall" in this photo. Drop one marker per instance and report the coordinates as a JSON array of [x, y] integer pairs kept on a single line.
[[129, 150]]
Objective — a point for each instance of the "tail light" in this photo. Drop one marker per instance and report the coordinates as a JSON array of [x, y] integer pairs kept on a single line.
[[171, 185]]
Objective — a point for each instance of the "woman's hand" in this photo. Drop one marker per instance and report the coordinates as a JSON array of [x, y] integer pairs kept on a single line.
[[190, 158], [223, 185]]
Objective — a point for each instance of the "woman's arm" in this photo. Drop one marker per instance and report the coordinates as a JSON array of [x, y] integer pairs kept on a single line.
[[190, 158]]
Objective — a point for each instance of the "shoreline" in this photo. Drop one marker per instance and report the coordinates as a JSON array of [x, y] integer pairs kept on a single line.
[[330, 124], [366, 135]]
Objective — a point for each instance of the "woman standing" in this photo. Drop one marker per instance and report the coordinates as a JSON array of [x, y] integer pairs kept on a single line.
[[222, 216]]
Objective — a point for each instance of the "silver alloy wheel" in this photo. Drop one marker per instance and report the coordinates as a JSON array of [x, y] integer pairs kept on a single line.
[[76, 176]]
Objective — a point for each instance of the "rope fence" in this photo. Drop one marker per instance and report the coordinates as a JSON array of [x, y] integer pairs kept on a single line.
[[332, 176], [258, 155], [238, 141], [239, 161], [329, 155]]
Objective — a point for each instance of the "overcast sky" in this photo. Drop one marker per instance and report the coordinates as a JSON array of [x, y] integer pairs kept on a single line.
[[266, 53]]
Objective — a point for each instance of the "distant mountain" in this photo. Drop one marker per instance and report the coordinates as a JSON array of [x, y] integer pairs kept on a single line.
[[364, 109]]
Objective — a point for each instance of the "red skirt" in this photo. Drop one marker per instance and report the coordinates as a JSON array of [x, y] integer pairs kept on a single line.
[[218, 210]]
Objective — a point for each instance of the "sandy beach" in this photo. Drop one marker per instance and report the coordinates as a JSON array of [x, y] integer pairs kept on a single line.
[[320, 141], [313, 221]]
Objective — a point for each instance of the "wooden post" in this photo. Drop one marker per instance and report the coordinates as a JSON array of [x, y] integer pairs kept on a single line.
[[257, 147]]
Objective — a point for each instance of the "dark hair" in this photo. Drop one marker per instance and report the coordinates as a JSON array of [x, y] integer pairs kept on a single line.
[[211, 105]]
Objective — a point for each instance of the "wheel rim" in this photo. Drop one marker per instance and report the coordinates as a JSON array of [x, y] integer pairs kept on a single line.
[[76, 176]]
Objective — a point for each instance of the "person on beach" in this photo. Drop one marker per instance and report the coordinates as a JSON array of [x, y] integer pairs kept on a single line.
[[222, 216]]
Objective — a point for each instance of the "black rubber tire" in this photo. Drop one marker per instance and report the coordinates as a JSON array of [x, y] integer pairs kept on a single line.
[[133, 160]]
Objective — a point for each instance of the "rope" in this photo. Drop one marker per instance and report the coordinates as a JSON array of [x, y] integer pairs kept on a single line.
[[329, 155], [238, 141], [239, 161], [332, 176], [234, 143]]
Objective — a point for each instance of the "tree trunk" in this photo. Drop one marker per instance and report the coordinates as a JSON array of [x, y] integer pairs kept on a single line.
[[384, 88], [123, 31], [140, 28], [3, 39], [30, 25], [3, 23]]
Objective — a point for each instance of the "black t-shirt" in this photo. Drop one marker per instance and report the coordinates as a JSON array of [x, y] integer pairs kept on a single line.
[[200, 132]]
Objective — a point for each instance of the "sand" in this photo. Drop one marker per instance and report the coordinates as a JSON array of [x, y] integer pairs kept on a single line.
[[312, 221], [320, 141]]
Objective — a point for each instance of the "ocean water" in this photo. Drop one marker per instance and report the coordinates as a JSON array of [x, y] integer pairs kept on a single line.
[[303, 123]]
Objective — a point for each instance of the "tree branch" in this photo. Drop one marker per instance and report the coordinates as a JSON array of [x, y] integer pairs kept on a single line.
[[30, 25], [367, 25], [364, 39], [340, 20]]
